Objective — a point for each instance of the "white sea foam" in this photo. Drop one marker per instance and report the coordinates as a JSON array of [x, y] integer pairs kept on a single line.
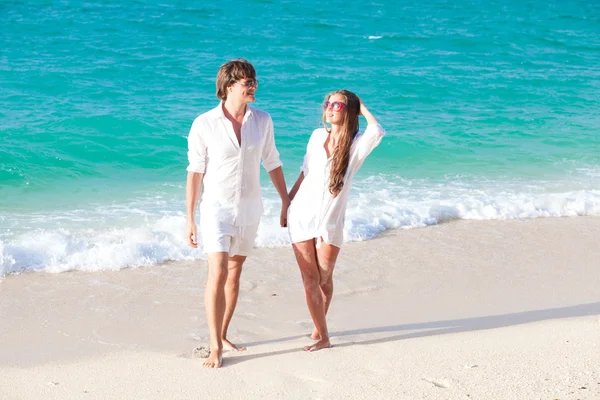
[[96, 249], [150, 231]]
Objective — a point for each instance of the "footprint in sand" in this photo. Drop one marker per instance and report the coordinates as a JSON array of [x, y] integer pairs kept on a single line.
[[247, 286], [441, 383], [201, 352], [197, 352]]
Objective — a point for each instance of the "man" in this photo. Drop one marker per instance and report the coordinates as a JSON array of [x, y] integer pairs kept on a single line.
[[226, 145]]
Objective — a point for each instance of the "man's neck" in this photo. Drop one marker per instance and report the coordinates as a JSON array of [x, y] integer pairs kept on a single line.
[[236, 110]]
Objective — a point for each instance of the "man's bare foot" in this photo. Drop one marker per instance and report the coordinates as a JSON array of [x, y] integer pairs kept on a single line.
[[321, 344], [214, 360], [227, 345], [315, 334]]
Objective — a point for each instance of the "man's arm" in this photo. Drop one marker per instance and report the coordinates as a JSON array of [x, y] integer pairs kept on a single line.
[[272, 164], [192, 194], [197, 157], [278, 180]]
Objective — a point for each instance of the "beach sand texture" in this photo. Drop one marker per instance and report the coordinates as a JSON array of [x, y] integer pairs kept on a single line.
[[461, 310]]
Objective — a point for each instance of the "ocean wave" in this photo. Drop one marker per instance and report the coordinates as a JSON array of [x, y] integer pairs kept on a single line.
[[140, 236], [109, 248]]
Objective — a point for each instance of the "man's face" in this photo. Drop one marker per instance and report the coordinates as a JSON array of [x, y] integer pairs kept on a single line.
[[244, 90]]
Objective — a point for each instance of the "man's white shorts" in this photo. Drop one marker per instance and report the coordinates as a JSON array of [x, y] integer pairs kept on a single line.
[[220, 237]]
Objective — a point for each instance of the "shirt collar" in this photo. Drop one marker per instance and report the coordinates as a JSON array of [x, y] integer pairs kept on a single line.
[[219, 111]]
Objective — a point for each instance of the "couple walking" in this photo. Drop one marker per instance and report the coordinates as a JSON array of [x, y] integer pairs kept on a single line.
[[226, 146]]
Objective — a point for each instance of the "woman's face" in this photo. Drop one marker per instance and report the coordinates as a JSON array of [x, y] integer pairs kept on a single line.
[[335, 117]]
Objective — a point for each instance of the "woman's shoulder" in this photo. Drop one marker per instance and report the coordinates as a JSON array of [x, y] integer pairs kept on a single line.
[[318, 133]]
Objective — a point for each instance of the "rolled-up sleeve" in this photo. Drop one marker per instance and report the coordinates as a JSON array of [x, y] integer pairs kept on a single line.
[[196, 148], [270, 155], [369, 140]]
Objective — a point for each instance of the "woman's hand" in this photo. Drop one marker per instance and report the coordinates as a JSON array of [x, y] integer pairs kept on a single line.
[[363, 108], [366, 113]]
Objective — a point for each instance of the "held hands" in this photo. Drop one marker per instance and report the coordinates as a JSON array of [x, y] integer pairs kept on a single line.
[[283, 217], [192, 234], [192, 231]]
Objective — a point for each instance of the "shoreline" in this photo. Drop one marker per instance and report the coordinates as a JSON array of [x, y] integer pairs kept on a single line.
[[60, 269], [515, 288]]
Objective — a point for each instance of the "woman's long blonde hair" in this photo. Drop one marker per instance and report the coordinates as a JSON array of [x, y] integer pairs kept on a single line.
[[341, 154]]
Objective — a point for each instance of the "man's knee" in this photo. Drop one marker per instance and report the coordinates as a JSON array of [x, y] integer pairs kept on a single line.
[[236, 262], [218, 268], [218, 278], [233, 280]]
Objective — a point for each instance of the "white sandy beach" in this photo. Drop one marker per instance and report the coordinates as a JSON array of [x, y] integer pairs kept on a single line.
[[462, 310]]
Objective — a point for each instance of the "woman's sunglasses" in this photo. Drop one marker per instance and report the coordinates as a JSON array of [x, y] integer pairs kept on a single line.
[[336, 106]]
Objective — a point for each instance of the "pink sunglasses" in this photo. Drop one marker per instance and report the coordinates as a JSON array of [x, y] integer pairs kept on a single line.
[[336, 106]]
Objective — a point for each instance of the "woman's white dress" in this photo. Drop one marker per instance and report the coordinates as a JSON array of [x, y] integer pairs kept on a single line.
[[314, 212]]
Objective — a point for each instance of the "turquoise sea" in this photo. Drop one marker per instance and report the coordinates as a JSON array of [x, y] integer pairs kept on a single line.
[[492, 111]]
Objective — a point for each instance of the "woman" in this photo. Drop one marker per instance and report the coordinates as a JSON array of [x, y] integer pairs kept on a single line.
[[320, 196]]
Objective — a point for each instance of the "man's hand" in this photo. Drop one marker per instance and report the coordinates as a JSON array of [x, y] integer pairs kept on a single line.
[[192, 234], [283, 216]]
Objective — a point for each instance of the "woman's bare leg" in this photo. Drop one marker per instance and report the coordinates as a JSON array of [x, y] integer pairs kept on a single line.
[[306, 256], [326, 257]]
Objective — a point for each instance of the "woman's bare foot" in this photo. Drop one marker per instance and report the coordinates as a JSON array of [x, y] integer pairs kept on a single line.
[[321, 344], [227, 345], [214, 360]]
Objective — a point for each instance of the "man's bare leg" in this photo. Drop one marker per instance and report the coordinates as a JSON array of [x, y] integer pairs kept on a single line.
[[305, 253], [232, 291], [214, 301]]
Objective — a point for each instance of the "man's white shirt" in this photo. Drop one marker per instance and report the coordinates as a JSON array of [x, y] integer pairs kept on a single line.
[[232, 192]]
